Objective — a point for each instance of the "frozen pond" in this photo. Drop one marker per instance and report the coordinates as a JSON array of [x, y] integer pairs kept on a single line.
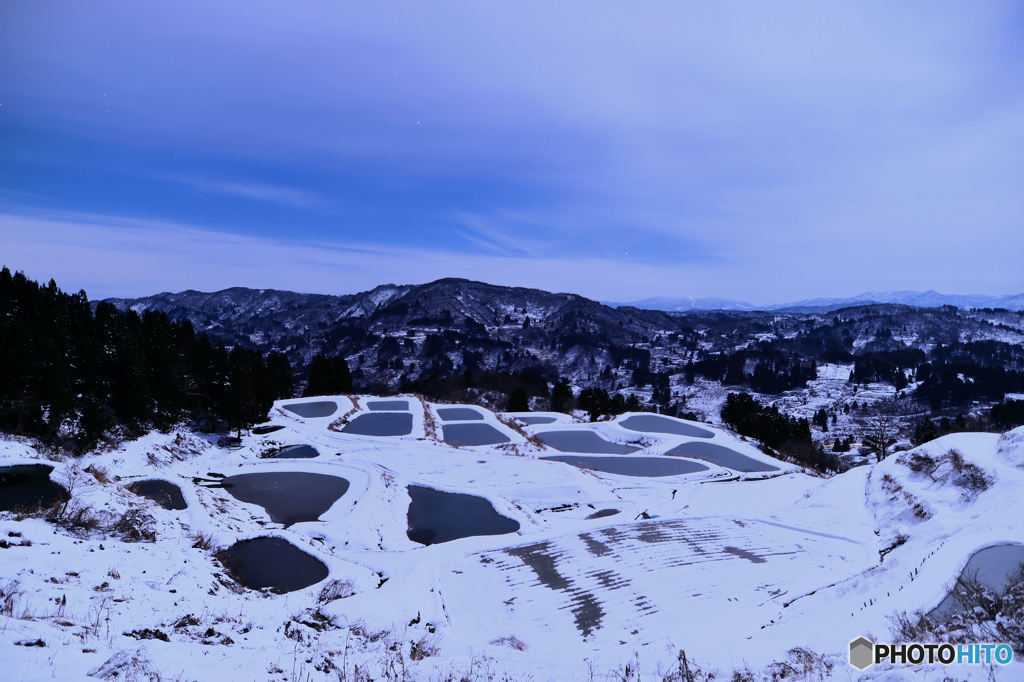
[[269, 428], [472, 434], [994, 567], [287, 496], [320, 408], [164, 493], [720, 455], [583, 441], [455, 414], [537, 419], [656, 423], [387, 405], [647, 467], [436, 516], [28, 486], [294, 452], [271, 563], [381, 424]]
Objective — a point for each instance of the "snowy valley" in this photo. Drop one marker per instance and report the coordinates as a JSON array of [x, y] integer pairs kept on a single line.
[[751, 566]]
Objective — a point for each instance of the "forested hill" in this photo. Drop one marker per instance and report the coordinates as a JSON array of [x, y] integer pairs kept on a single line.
[[71, 373]]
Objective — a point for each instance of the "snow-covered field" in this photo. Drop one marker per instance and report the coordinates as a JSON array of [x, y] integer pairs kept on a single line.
[[735, 569]]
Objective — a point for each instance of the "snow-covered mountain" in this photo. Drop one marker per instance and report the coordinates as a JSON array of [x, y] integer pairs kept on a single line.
[[921, 299], [396, 334], [687, 303]]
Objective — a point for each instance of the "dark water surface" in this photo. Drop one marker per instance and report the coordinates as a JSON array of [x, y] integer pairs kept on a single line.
[[321, 408], [164, 493], [994, 567], [295, 452], [288, 496], [538, 419], [28, 487], [271, 563], [387, 405], [380, 424], [455, 414], [436, 516], [647, 467], [720, 455], [472, 434], [583, 441], [657, 423]]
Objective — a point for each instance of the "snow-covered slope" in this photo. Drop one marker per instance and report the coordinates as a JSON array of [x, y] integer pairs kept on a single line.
[[739, 570]]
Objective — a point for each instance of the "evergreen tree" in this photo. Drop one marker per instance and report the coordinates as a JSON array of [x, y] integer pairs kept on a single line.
[[561, 397], [328, 376], [70, 375], [518, 401]]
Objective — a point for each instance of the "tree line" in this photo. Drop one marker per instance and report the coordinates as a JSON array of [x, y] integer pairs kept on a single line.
[[72, 375], [789, 436]]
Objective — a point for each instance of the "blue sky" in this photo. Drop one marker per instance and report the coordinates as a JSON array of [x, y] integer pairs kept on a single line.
[[756, 151]]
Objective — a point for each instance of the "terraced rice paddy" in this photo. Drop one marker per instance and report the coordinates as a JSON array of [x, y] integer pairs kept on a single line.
[[380, 424], [583, 441], [164, 493], [618, 579], [647, 467], [472, 434], [457, 414], [656, 423], [313, 410], [720, 455]]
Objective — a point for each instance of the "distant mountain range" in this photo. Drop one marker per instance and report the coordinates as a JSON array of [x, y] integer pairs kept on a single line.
[[921, 299]]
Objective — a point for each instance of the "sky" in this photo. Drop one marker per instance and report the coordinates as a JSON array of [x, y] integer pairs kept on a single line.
[[762, 152]]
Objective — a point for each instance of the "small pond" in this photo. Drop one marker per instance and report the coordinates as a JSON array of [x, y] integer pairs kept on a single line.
[[287, 496], [27, 487], [720, 455], [647, 467], [436, 516], [456, 414], [657, 423], [602, 514], [164, 493], [583, 441], [387, 405], [294, 452], [320, 408], [273, 563], [268, 428], [380, 424], [994, 567], [472, 434], [537, 419]]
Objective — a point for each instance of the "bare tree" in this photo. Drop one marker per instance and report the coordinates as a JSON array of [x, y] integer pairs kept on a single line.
[[72, 477], [880, 432]]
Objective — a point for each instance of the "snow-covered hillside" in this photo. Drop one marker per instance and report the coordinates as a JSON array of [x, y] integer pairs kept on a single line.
[[746, 572]]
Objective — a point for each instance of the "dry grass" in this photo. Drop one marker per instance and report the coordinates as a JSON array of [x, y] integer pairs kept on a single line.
[[99, 473], [429, 424], [202, 541], [340, 423]]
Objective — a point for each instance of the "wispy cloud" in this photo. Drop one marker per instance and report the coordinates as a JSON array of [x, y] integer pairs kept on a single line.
[[114, 256], [255, 191]]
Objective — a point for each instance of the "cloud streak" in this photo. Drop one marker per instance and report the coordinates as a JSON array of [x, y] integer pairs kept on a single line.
[[751, 151], [110, 256]]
